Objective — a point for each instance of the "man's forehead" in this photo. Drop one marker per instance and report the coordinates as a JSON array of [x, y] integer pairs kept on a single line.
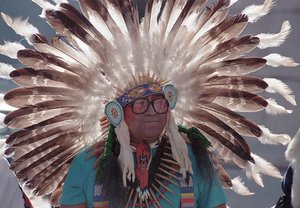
[[154, 96]]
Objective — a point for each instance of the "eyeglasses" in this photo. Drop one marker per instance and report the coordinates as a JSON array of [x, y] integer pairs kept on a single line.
[[140, 106]]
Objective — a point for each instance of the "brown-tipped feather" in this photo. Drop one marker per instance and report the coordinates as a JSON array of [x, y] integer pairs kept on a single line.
[[226, 131], [239, 123], [244, 83], [30, 77], [238, 67], [238, 151], [234, 48], [39, 60], [234, 99]]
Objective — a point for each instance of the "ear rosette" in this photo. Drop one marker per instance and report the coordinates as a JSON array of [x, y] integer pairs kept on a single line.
[[171, 95], [114, 112]]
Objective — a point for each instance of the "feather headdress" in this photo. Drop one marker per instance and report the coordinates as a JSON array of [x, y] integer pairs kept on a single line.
[[105, 49]]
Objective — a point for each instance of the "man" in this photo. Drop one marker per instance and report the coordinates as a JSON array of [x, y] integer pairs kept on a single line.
[[146, 118], [108, 63]]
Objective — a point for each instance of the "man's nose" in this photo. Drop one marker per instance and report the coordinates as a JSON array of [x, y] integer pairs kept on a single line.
[[150, 110]]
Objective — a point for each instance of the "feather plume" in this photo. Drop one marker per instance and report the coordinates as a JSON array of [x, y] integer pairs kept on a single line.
[[5, 69], [274, 40], [2, 125], [44, 4], [239, 123], [20, 26], [4, 107], [269, 138], [273, 108], [255, 12], [239, 187], [10, 49], [265, 167], [2, 146], [277, 86], [276, 60]]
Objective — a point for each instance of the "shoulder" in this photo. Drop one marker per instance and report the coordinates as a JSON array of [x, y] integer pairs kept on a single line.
[[82, 163]]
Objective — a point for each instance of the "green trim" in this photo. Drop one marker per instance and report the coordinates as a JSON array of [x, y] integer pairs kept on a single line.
[[194, 133], [108, 152]]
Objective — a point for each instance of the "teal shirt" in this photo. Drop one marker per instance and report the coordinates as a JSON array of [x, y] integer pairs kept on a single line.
[[79, 185]]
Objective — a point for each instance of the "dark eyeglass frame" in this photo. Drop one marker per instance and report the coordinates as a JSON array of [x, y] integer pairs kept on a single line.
[[150, 102]]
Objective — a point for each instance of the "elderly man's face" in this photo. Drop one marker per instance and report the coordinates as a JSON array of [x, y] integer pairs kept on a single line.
[[150, 124]]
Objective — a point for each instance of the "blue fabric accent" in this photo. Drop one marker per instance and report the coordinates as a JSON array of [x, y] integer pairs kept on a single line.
[[79, 185], [139, 92]]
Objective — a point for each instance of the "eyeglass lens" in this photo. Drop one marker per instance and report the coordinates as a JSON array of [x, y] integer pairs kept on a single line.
[[159, 105]]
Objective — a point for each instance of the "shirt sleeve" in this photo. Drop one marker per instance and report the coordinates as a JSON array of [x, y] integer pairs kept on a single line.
[[211, 193], [73, 190]]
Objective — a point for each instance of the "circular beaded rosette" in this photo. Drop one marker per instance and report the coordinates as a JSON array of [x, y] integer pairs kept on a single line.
[[114, 112], [170, 93]]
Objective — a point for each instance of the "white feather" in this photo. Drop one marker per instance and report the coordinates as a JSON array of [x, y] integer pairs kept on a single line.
[[269, 138], [10, 49], [254, 12], [273, 108], [261, 166], [277, 86], [239, 187], [267, 40], [265, 167], [36, 201], [252, 172], [5, 69], [275, 60], [4, 106], [232, 2], [21, 27], [2, 125], [43, 4], [2, 147]]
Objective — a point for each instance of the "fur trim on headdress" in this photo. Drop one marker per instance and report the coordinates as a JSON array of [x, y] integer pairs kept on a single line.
[[125, 156], [179, 147]]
